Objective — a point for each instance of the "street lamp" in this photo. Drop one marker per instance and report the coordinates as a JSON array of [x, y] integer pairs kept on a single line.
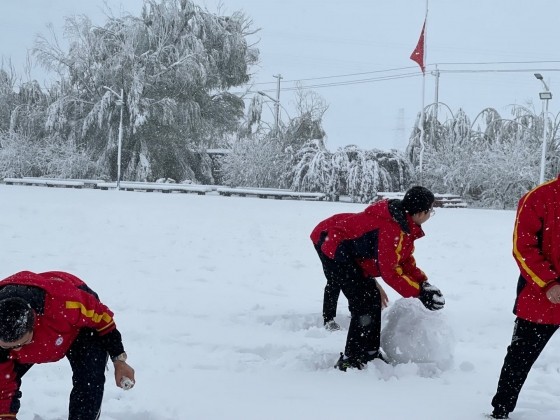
[[276, 110], [119, 102], [545, 97]]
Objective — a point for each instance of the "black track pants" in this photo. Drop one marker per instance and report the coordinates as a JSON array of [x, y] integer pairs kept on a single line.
[[364, 303], [527, 343], [332, 288], [330, 300], [88, 361]]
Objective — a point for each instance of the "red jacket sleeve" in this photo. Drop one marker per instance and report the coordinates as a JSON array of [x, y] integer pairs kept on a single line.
[[396, 263], [82, 307], [526, 244], [8, 388], [86, 311]]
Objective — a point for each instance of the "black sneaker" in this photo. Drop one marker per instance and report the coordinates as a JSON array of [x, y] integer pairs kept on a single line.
[[348, 362], [499, 413]]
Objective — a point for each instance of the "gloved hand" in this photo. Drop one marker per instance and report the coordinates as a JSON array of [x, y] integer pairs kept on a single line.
[[431, 297]]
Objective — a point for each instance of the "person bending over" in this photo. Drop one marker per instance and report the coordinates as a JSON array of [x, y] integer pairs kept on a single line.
[[355, 248], [48, 316]]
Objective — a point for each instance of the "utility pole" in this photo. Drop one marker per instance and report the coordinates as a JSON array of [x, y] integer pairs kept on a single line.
[[436, 100], [277, 105], [435, 116], [399, 130], [119, 148], [120, 103]]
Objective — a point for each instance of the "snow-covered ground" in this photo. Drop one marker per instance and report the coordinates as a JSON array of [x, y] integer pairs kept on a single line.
[[219, 302]]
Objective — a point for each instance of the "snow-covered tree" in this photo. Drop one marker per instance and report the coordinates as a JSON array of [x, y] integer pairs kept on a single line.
[[308, 123], [7, 97], [48, 156], [265, 156], [491, 161], [350, 171], [255, 162], [371, 171], [314, 169], [173, 65]]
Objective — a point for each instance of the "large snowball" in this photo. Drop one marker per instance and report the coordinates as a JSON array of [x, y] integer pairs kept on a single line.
[[412, 333]]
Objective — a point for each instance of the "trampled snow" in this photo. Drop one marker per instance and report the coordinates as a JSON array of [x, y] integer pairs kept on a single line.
[[219, 302]]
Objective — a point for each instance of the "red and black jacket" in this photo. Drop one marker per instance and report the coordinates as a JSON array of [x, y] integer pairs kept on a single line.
[[536, 249], [380, 240], [63, 305]]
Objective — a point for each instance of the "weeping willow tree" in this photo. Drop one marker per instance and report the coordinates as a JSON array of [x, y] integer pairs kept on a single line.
[[315, 169], [351, 171], [263, 155], [8, 97], [27, 147], [169, 70], [491, 160]]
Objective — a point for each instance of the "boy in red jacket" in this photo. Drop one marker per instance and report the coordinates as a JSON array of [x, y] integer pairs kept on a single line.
[[46, 317], [536, 250], [378, 242]]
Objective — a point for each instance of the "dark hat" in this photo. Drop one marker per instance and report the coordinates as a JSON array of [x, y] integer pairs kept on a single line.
[[418, 199], [17, 319]]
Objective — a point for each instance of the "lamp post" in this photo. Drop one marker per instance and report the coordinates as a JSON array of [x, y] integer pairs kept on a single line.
[[276, 111], [120, 102], [545, 96]]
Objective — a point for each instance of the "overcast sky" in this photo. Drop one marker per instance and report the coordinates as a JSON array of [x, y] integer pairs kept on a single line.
[[349, 51]]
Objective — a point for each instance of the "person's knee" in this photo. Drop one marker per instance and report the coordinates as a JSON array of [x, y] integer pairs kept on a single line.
[[92, 382], [365, 320], [89, 372]]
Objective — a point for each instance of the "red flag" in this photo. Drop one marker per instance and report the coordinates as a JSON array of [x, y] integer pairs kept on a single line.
[[418, 53]]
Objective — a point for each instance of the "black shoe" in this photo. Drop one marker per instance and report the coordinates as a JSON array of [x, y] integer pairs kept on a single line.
[[348, 362], [499, 413]]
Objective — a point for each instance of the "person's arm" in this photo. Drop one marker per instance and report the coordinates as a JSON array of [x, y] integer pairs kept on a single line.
[[112, 342], [9, 387], [89, 312], [411, 269], [397, 270], [526, 246]]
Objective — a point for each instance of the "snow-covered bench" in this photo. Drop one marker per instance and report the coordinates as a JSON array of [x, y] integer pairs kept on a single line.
[[157, 186], [449, 201], [442, 200], [270, 192], [48, 182]]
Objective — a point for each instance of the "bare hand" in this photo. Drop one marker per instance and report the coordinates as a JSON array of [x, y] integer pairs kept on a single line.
[[553, 294], [384, 297], [124, 370]]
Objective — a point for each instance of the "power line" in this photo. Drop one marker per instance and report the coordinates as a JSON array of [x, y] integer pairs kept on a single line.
[[405, 75], [496, 62], [497, 70], [344, 75], [347, 82]]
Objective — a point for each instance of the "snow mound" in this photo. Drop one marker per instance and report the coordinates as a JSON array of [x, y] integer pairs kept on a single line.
[[411, 333]]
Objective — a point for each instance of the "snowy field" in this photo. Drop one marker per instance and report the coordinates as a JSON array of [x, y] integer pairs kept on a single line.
[[219, 302]]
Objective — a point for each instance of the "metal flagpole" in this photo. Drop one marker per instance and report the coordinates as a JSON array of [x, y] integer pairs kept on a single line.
[[422, 114]]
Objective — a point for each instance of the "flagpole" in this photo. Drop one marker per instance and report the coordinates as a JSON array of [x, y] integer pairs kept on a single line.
[[422, 114]]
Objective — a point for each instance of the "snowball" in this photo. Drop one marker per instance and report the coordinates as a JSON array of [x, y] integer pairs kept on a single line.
[[412, 333]]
